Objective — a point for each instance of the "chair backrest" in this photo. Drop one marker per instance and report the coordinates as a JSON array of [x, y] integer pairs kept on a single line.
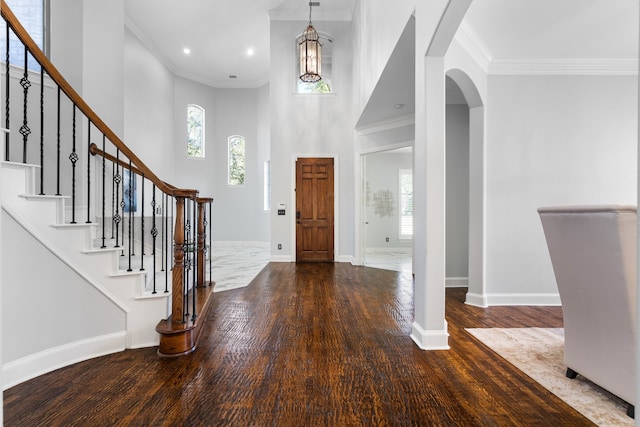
[[593, 253]]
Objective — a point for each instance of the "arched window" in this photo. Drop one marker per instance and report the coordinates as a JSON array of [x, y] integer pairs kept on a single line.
[[195, 131], [236, 160], [323, 85]]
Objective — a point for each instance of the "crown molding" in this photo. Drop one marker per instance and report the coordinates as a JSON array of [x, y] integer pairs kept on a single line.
[[387, 124], [474, 45], [275, 15], [559, 67], [148, 43]]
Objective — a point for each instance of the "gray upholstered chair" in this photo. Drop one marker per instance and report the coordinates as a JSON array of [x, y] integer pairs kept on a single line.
[[593, 252]]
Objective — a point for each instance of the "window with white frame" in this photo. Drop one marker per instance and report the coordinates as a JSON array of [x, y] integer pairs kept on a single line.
[[33, 17], [236, 163], [195, 131], [405, 179]]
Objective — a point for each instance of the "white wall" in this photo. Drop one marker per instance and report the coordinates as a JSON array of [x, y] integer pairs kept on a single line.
[[66, 50], [382, 175], [263, 154], [148, 108], [308, 126], [103, 61], [551, 140], [457, 198], [377, 25], [50, 312], [190, 170], [87, 47], [238, 212]]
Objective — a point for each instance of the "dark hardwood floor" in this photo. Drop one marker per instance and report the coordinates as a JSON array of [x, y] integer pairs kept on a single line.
[[307, 345]]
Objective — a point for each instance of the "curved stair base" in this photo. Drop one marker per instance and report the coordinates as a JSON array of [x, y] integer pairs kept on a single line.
[[181, 338]]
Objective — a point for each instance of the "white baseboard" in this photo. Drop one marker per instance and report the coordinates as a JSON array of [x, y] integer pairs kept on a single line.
[[282, 258], [344, 258], [240, 243], [476, 300], [523, 299], [28, 367], [430, 340], [456, 282]]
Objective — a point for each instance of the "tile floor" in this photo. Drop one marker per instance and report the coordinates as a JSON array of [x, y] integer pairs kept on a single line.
[[397, 259], [235, 264]]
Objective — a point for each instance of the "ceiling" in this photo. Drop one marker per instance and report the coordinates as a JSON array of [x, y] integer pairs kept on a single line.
[[219, 33], [576, 29]]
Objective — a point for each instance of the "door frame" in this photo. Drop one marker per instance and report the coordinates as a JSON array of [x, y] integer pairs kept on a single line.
[[337, 257], [360, 208]]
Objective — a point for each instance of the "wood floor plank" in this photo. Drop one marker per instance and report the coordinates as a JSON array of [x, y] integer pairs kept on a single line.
[[307, 345]]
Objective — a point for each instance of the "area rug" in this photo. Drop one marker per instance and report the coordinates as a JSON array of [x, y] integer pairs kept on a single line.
[[539, 353]]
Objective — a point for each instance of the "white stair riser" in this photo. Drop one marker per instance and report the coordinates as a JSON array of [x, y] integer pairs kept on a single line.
[[43, 215]]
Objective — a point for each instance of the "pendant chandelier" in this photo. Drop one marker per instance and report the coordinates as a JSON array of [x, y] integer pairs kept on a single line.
[[310, 52]]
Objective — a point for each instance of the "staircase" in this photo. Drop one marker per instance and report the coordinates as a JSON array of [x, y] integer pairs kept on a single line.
[[127, 251], [44, 218]]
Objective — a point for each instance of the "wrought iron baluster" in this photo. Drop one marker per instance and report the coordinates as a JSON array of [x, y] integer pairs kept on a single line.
[[171, 236], [41, 130], [165, 242], [113, 194], [89, 172], [117, 180], [132, 222], [210, 247], [163, 225], [7, 124], [194, 240], [104, 166], [58, 146], [142, 225], [122, 205], [154, 234], [187, 261], [130, 199], [24, 129], [74, 159]]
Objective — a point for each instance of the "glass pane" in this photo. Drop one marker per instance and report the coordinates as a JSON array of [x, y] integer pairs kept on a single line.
[[236, 160], [30, 13], [195, 131], [406, 203]]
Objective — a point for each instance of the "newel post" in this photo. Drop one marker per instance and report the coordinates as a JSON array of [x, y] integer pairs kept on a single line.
[[177, 302], [179, 334]]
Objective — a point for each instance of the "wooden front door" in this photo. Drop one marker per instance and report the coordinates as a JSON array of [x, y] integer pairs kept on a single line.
[[314, 210]]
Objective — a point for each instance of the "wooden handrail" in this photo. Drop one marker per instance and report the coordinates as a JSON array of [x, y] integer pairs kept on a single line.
[[177, 192], [56, 76]]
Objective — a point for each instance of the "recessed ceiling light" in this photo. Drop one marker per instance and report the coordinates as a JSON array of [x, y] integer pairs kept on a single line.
[[250, 52], [233, 76], [186, 51], [398, 106]]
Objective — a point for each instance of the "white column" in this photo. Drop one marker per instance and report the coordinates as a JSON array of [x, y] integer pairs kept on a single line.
[[436, 24], [429, 329]]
